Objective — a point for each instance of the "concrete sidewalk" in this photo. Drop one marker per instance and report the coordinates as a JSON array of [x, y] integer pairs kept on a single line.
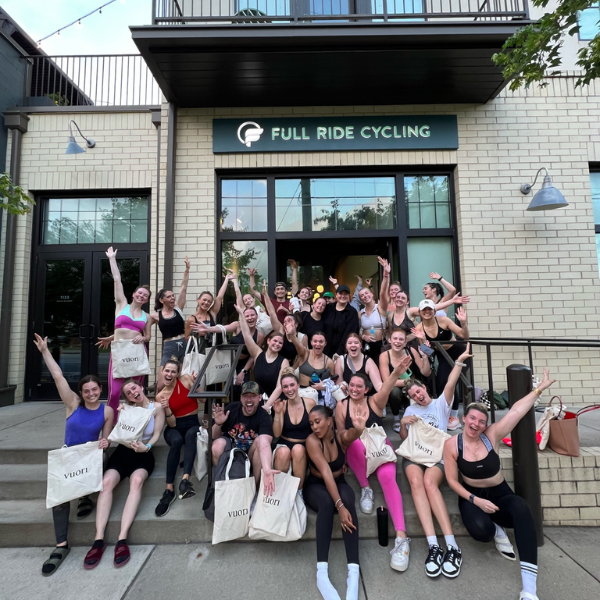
[[569, 567]]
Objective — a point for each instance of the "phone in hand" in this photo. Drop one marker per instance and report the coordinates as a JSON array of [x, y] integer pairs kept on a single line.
[[425, 349]]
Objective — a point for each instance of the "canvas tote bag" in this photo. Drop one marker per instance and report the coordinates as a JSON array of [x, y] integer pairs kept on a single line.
[[200, 464], [424, 444], [376, 450], [128, 359], [233, 499], [131, 424], [193, 360], [220, 364], [272, 513], [295, 529], [73, 472]]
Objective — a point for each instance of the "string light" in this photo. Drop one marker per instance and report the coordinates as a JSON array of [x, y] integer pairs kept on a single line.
[[76, 21]]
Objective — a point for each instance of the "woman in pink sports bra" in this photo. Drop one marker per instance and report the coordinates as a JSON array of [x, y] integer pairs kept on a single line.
[[131, 323]]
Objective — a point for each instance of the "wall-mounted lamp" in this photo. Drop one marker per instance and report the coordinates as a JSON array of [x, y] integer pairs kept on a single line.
[[548, 198], [73, 147]]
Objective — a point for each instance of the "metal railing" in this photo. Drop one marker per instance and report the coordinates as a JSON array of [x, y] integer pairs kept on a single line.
[[103, 80], [181, 12], [489, 343]]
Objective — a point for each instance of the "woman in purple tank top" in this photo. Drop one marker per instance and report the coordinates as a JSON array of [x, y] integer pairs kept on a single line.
[[88, 420]]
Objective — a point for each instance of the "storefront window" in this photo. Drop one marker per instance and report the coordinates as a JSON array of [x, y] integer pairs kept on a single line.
[[335, 204], [588, 22], [244, 205], [427, 202], [95, 220]]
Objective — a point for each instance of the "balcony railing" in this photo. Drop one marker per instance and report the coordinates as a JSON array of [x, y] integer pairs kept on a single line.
[[107, 80], [193, 12]]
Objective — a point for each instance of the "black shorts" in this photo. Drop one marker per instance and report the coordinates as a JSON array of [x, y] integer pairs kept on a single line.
[[125, 461]]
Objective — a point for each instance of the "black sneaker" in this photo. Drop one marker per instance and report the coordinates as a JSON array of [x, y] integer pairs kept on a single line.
[[452, 562], [186, 489], [433, 564], [165, 502]]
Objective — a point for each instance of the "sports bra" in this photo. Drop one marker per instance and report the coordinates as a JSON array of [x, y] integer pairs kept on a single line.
[[408, 373], [298, 431], [443, 335], [124, 320], [406, 325], [334, 465], [307, 369], [374, 320], [172, 326], [373, 419], [180, 403], [479, 469]]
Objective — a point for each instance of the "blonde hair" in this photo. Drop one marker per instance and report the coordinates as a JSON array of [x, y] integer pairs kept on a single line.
[[288, 372]]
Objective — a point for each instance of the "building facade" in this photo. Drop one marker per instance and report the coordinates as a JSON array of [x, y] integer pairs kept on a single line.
[[425, 173]]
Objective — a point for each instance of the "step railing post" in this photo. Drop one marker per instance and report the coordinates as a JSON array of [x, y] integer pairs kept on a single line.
[[524, 447]]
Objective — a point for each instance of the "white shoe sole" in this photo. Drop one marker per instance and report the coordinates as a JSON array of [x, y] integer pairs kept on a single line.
[[432, 575], [498, 542], [449, 575], [400, 569], [367, 512]]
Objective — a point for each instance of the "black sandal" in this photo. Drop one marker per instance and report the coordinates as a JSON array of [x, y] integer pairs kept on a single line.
[[84, 507], [58, 555]]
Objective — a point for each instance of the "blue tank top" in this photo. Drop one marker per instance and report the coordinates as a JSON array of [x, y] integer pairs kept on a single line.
[[84, 426]]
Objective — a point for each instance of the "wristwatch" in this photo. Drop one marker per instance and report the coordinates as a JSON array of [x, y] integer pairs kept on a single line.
[[472, 498]]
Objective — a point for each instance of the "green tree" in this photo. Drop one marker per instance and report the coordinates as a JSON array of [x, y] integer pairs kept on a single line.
[[531, 53], [12, 197]]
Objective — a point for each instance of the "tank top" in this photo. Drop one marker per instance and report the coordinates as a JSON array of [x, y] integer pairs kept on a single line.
[[124, 320], [479, 469], [374, 418], [408, 373], [405, 325], [173, 326], [149, 431], [180, 403], [348, 372], [266, 374], [374, 320], [307, 369], [84, 425], [288, 350], [336, 464], [209, 336], [301, 430], [443, 335], [239, 341]]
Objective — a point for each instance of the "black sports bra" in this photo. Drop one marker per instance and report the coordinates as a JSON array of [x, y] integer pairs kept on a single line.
[[335, 465], [478, 469], [443, 335], [298, 431], [406, 325]]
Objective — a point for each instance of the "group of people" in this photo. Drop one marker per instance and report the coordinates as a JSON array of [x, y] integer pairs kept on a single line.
[[298, 356]]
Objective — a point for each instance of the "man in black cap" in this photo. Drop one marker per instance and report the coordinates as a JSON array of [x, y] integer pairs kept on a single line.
[[249, 426], [339, 320]]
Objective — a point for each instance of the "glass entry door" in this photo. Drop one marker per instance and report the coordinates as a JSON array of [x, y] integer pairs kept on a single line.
[[73, 306]]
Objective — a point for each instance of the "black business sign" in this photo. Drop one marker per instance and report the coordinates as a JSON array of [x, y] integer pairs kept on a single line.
[[326, 134]]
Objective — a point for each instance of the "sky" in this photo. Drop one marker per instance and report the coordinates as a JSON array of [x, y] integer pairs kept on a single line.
[[106, 33]]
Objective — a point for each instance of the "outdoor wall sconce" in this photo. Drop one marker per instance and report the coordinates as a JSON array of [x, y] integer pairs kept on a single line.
[[548, 198], [73, 147]]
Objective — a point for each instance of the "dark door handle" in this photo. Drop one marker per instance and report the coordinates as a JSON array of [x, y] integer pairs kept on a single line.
[[91, 337], [81, 335]]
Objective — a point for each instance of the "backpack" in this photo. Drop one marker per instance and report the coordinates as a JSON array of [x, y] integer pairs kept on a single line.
[[237, 470]]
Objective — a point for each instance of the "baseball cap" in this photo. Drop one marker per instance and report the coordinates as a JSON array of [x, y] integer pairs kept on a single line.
[[328, 295], [426, 304], [251, 387], [343, 288]]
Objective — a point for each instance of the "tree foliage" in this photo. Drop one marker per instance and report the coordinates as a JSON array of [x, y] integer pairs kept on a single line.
[[12, 197], [534, 51]]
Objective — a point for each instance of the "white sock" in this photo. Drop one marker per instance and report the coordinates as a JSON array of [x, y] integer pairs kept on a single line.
[[454, 413], [432, 540], [529, 576], [325, 586], [450, 541], [396, 418], [353, 577], [500, 532]]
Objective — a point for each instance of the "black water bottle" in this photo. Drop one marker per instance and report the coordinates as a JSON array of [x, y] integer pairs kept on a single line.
[[382, 525]]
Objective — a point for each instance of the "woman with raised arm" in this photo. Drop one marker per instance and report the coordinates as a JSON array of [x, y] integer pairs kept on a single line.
[[487, 503], [388, 361], [268, 364], [312, 321], [131, 323], [290, 425], [443, 329], [425, 481], [345, 413], [354, 361], [137, 463], [168, 315], [182, 418], [435, 292], [88, 420], [373, 317], [326, 491]]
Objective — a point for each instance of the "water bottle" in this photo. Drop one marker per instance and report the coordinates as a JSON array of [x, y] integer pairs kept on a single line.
[[314, 378], [372, 331]]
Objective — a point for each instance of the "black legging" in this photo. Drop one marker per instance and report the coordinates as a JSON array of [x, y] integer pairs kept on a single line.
[[185, 431], [514, 512], [318, 498], [444, 369], [397, 400]]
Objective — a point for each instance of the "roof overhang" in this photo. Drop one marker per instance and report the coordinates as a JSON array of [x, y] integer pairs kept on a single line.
[[344, 64]]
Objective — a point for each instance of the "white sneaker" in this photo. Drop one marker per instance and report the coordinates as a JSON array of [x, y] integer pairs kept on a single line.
[[396, 427], [453, 424], [400, 554], [366, 500]]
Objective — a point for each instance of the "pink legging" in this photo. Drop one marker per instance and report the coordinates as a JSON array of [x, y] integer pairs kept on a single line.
[[115, 385], [386, 474]]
